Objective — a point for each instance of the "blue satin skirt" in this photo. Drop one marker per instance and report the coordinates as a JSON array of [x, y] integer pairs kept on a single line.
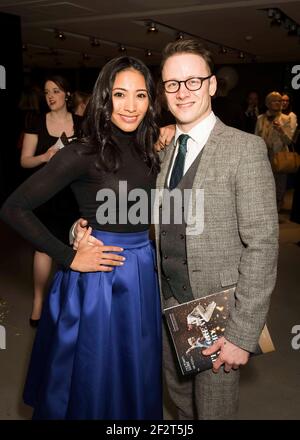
[[97, 352]]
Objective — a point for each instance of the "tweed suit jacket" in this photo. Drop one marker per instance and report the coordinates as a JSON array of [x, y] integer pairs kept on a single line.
[[239, 242]]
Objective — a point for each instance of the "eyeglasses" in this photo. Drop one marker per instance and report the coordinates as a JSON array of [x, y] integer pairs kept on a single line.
[[192, 84]]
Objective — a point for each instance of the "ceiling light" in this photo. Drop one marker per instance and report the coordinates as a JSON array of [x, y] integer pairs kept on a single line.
[[122, 48], [222, 50], [94, 42], [241, 55], [148, 53], [60, 35], [152, 27], [292, 30], [271, 12], [180, 36]]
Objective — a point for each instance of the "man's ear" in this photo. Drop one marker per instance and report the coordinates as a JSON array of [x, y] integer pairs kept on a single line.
[[212, 85]]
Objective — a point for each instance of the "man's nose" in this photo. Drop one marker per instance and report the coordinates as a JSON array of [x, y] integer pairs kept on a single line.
[[182, 91]]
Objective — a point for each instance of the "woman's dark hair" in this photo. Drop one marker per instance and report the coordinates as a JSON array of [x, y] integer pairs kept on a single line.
[[97, 125], [61, 82]]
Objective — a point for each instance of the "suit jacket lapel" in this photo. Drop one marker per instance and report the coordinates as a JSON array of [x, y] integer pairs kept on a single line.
[[166, 157], [208, 153]]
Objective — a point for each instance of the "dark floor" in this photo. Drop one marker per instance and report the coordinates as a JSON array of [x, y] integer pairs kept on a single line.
[[270, 385]]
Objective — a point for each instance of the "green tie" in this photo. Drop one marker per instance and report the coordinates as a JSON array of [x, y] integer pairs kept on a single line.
[[178, 167]]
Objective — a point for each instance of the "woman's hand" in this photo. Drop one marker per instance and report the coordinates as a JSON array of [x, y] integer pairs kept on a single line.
[[50, 153], [95, 258], [166, 135]]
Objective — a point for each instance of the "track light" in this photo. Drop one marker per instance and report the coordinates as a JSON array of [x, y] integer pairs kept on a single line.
[[180, 36], [148, 53], [223, 50], [59, 35], [122, 48], [152, 27], [292, 30], [241, 55], [94, 42], [271, 12], [85, 56], [279, 18]]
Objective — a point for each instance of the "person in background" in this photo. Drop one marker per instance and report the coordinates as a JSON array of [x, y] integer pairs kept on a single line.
[[276, 130], [40, 144], [251, 113], [79, 102], [287, 110]]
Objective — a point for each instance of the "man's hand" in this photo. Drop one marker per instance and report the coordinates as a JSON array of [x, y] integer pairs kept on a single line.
[[95, 258], [166, 135], [79, 231], [231, 356]]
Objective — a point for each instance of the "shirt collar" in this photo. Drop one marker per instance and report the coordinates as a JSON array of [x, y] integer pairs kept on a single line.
[[201, 131]]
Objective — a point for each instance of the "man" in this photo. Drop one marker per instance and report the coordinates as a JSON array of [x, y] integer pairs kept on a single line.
[[251, 113], [238, 245]]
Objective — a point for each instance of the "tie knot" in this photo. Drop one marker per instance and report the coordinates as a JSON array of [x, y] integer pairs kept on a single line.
[[182, 140]]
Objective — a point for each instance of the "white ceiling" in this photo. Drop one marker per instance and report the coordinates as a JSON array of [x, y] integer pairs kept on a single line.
[[241, 25]]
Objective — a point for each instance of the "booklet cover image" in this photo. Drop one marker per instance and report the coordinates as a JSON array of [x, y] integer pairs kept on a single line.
[[197, 324]]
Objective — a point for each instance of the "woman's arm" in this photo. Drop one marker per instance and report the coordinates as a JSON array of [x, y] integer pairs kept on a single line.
[[17, 211], [28, 158]]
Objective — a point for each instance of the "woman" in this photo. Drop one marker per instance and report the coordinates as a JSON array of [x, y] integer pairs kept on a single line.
[[40, 143], [97, 353], [287, 110]]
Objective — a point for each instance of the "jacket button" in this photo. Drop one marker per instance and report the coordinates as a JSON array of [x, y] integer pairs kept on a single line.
[[168, 279], [184, 287], [182, 236], [165, 257], [163, 233], [184, 262]]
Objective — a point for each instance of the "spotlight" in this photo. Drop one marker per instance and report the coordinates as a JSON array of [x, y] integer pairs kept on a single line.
[[223, 50], [180, 36], [122, 48], [271, 12], [292, 30], [287, 23], [85, 56], [148, 53], [152, 27], [60, 35], [277, 20], [241, 55], [94, 42]]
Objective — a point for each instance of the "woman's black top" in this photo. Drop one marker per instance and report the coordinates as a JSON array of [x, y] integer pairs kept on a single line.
[[97, 193]]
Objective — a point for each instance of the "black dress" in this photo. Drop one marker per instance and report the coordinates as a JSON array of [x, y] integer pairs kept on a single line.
[[60, 212]]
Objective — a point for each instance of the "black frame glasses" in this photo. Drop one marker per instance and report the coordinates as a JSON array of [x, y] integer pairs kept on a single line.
[[189, 83]]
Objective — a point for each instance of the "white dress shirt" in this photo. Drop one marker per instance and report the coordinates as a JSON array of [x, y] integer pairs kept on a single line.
[[198, 138]]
